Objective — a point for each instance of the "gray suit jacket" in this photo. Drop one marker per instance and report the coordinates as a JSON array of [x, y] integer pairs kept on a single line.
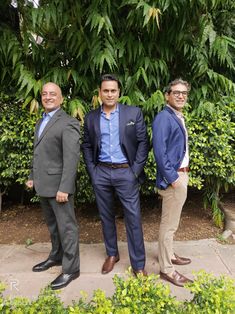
[[56, 155]]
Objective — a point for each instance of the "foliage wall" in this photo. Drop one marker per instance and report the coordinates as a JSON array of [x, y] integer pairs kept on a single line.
[[147, 43], [212, 151]]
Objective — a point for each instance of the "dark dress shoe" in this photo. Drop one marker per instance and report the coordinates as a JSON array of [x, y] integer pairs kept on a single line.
[[178, 260], [176, 278], [46, 265], [140, 272], [109, 264], [63, 280]]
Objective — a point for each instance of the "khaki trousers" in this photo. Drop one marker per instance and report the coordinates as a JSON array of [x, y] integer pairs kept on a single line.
[[173, 200]]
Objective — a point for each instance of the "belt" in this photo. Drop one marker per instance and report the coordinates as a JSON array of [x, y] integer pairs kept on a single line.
[[184, 169], [111, 165]]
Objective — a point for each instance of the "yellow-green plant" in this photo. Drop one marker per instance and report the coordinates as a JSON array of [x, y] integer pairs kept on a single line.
[[141, 295], [211, 295]]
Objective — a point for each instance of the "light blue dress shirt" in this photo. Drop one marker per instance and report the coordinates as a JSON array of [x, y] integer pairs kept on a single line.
[[46, 118], [110, 142]]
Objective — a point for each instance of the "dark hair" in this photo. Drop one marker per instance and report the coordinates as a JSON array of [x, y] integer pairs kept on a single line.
[[175, 82], [109, 77]]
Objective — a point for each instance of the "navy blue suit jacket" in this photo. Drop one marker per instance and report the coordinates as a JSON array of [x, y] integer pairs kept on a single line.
[[132, 135], [169, 146]]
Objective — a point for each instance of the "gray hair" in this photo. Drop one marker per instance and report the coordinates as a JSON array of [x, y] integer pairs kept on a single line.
[[175, 82]]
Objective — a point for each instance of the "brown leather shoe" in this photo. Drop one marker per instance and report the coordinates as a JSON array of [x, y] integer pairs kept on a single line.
[[176, 278], [178, 260], [140, 272], [109, 264]]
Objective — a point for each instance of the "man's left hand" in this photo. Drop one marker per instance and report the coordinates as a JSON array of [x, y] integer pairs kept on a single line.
[[62, 197]]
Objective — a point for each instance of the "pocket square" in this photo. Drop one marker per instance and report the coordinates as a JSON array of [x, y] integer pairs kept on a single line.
[[130, 123]]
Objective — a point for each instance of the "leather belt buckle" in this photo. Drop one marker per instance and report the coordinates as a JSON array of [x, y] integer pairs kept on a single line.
[[113, 166]]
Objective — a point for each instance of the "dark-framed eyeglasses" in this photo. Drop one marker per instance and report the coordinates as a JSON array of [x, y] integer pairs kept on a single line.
[[177, 93]]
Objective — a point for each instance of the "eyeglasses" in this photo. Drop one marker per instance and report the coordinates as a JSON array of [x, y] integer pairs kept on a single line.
[[177, 93]]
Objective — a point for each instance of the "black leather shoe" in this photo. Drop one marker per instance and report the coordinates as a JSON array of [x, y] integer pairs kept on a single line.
[[63, 280], [46, 265]]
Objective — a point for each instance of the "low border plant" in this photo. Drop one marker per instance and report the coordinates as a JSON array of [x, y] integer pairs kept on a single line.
[[141, 295]]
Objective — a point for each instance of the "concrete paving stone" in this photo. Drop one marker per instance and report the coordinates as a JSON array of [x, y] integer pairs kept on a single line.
[[227, 255], [16, 263]]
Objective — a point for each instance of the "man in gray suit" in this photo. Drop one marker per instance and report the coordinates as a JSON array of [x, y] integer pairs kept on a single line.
[[53, 173]]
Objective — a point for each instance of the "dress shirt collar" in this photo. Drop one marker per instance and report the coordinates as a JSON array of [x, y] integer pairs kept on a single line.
[[50, 114], [116, 109], [179, 114]]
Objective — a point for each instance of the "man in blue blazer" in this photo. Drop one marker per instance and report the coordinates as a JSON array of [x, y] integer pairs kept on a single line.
[[170, 146], [115, 150]]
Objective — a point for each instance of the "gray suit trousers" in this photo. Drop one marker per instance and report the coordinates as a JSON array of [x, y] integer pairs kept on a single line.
[[63, 228]]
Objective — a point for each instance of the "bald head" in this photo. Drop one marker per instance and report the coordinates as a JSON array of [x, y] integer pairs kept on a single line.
[[51, 97]]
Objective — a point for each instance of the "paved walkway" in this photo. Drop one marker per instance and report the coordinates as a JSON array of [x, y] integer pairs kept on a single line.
[[16, 262]]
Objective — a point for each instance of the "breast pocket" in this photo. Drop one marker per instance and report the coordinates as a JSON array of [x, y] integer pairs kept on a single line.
[[130, 130]]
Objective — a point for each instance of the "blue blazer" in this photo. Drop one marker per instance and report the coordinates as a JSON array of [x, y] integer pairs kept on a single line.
[[169, 146], [132, 135]]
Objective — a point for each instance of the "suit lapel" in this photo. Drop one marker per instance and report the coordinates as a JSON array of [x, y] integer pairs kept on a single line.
[[176, 119], [36, 131], [97, 121], [50, 123], [96, 124], [122, 120]]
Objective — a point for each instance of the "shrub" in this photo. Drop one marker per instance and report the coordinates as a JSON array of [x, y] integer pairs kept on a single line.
[[47, 302], [211, 131], [212, 295], [16, 142], [141, 295], [212, 152]]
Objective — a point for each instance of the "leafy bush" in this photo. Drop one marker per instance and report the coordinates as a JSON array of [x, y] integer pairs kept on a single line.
[[211, 295], [141, 295], [47, 302], [211, 138], [212, 151], [16, 142]]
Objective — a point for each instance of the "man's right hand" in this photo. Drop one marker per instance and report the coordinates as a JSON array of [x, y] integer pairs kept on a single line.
[[29, 184]]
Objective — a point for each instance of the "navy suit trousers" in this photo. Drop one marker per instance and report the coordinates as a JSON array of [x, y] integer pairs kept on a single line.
[[122, 181]]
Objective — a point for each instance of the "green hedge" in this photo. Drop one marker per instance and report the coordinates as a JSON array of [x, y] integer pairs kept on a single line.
[[211, 138], [16, 143], [142, 295]]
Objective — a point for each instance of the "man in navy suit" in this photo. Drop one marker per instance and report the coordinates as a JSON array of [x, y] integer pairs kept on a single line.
[[115, 150], [170, 146]]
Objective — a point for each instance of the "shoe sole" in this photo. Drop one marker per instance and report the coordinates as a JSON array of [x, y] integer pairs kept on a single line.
[[64, 285], [40, 270], [180, 264]]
